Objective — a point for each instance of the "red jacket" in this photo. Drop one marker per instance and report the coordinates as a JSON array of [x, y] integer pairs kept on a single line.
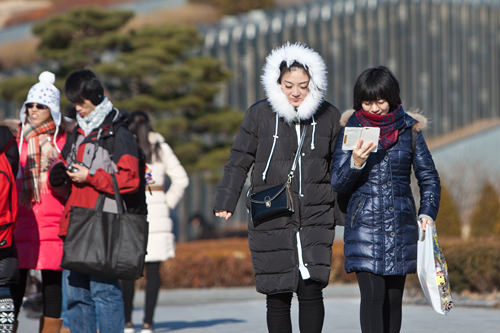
[[81, 148], [37, 241]]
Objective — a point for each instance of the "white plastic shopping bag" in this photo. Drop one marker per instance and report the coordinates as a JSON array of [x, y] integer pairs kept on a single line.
[[432, 270]]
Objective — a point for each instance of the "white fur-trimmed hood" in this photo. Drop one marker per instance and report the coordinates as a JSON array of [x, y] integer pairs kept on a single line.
[[316, 67]]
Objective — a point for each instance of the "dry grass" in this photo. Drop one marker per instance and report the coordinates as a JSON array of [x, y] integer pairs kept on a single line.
[[18, 53], [190, 14]]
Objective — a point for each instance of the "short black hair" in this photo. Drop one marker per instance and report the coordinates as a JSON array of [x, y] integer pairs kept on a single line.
[[285, 69], [376, 83], [83, 84]]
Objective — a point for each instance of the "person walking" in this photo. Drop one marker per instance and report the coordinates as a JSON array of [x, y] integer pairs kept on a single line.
[[381, 231], [41, 137], [161, 162], [9, 163], [290, 254], [94, 302]]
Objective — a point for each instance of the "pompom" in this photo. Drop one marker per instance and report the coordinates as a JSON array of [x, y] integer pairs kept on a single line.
[[47, 77]]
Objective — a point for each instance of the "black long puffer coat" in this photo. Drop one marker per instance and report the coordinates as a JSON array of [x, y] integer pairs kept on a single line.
[[273, 244], [281, 246]]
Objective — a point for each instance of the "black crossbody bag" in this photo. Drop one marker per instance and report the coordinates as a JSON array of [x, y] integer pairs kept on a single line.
[[275, 201]]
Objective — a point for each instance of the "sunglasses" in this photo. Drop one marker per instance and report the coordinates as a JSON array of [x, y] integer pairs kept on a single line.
[[37, 106]]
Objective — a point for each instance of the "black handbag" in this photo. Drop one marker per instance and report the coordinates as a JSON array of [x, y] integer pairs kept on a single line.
[[275, 201], [104, 244]]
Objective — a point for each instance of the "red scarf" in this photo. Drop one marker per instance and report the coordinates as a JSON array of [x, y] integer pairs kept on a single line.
[[37, 162], [389, 124]]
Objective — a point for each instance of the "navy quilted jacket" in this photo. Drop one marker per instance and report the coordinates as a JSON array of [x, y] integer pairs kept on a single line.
[[381, 231]]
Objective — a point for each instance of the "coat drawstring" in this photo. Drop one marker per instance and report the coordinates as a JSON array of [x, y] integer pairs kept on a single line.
[[297, 129], [275, 137], [313, 133]]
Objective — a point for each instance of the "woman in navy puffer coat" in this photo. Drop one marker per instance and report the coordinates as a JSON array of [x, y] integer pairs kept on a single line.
[[381, 230]]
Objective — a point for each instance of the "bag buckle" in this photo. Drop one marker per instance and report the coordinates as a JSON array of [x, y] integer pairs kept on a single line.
[[267, 200]]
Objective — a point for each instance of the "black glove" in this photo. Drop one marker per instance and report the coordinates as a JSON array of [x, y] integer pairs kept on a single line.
[[58, 176]]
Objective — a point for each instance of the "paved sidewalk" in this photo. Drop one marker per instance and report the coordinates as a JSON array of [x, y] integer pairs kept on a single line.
[[242, 310]]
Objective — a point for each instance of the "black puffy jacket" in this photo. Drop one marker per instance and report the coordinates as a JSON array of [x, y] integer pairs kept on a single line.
[[273, 244]]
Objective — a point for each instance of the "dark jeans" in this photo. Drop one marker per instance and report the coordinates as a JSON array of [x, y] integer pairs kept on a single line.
[[93, 303], [381, 302], [51, 292], [311, 309], [152, 270]]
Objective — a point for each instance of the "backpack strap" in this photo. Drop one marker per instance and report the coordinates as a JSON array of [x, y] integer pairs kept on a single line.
[[7, 146]]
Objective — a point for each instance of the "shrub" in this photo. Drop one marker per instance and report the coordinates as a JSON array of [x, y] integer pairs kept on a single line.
[[448, 221], [485, 213], [473, 265], [225, 262]]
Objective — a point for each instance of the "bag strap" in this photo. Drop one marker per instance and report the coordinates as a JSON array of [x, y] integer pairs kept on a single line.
[[297, 153]]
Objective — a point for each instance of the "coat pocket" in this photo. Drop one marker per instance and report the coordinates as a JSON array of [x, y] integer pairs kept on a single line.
[[357, 208]]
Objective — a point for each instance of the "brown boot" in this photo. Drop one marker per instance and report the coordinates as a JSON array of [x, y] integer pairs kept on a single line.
[[50, 325], [16, 323]]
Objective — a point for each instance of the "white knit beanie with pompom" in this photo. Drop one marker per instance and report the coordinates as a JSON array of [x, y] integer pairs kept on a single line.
[[44, 92]]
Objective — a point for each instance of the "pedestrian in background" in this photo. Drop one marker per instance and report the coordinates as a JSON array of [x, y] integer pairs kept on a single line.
[[381, 231], [9, 162], [41, 137], [95, 302], [290, 254], [161, 162]]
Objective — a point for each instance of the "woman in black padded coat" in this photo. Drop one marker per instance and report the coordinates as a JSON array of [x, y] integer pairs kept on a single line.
[[292, 253]]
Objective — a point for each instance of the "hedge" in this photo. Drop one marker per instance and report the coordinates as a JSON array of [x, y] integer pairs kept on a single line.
[[473, 265]]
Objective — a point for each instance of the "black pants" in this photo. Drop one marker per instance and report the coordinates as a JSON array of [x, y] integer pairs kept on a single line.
[[51, 292], [152, 288], [381, 301], [311, 309]]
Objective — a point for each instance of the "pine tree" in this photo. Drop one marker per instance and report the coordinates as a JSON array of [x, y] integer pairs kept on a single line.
[[485, 213], [448, 221], [154, 69]]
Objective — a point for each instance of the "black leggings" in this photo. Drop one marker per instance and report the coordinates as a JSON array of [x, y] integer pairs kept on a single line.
[[311, 309], [381, 302], [51, 292], [152, 288]]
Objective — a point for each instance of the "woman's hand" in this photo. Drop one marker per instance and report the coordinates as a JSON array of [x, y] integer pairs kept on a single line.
[[424, 221], [223, 214], [362, 151], [80, 176]]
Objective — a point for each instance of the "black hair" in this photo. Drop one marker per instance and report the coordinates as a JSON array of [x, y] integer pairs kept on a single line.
[[83, 84], [140, 125], [376, 83], [285, 69]]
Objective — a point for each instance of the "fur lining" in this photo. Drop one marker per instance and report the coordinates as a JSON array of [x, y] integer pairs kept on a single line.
[[421, 121], [317, 83], [155, 138], [344, 118], [419, 126]]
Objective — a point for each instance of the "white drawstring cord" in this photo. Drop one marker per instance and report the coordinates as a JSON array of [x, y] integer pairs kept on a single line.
[[275, 137], [54, 140], [313, 133]]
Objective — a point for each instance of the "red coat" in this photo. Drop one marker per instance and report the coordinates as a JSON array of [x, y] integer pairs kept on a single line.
[[37, 241]]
